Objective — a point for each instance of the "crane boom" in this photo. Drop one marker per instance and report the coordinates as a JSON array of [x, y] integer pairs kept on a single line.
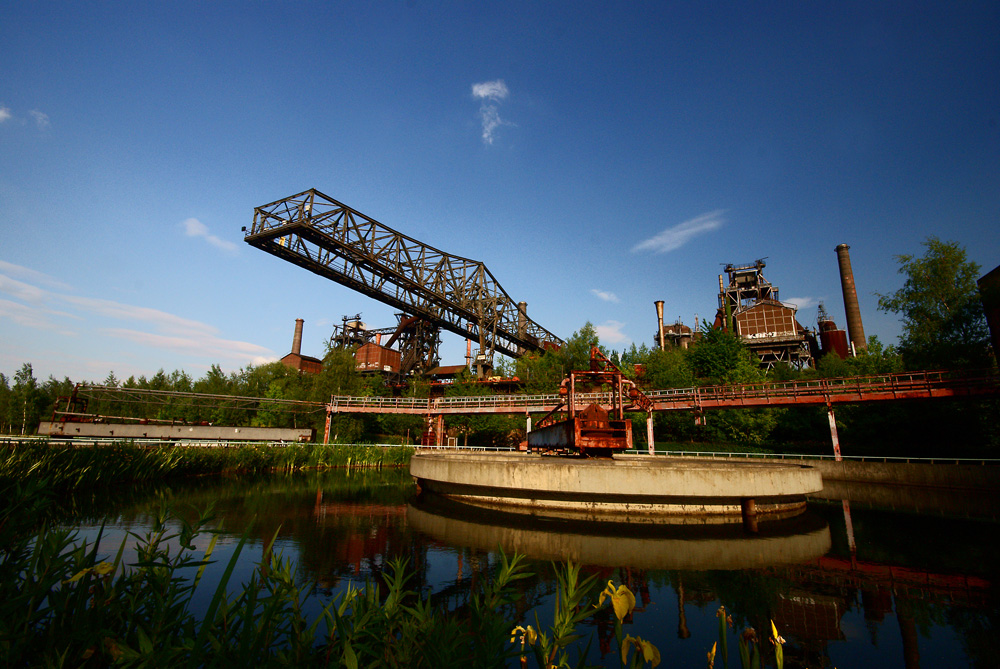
[[461, 295]]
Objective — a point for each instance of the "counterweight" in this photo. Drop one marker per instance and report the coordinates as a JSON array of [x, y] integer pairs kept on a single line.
[[460, 295]]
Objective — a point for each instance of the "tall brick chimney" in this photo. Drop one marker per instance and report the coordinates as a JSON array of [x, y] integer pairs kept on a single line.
[[855, 330], [297, 340]]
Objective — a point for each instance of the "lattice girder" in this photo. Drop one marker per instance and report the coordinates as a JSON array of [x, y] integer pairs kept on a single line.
[[329, 238]]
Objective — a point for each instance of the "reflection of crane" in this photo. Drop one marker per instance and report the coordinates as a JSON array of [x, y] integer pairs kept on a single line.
[[329, 238]]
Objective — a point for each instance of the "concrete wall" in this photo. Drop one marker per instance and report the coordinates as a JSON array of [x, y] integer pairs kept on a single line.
[[907, 473]]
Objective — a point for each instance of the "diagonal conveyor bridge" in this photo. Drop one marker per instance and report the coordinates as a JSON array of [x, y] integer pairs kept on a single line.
[[329, 238]]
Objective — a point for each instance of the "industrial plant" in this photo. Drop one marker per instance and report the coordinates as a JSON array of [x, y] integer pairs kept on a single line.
[[436, 291]]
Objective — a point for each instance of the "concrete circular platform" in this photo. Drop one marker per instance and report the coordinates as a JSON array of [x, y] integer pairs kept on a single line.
[[633, 488]]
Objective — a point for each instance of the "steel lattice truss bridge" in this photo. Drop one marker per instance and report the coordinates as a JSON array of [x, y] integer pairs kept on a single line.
[[457, 294]]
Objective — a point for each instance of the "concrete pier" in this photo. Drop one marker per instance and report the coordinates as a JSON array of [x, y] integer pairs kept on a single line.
[[639, 488]]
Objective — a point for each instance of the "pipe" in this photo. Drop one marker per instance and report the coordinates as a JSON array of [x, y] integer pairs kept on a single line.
[[297, 340], [855, 330], [728, 326], [659, 322]]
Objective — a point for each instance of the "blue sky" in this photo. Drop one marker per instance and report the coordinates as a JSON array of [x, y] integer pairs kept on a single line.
[[596, 156]]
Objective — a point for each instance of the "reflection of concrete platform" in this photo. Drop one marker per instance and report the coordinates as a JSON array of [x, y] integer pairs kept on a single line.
[[639, 488], [613, 544]]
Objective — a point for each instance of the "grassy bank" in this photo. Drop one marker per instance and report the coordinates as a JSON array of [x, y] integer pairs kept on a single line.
[[67, 468]]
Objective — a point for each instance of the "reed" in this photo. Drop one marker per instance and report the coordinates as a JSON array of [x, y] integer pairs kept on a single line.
[[68, 468]]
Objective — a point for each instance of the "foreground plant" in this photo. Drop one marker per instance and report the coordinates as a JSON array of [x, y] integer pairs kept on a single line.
[[748, 643], [63, 603]]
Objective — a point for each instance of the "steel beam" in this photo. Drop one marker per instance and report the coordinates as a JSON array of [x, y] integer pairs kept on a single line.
[[330, 239]]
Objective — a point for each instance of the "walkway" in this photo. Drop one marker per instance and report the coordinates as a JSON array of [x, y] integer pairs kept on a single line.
[[825, 392]]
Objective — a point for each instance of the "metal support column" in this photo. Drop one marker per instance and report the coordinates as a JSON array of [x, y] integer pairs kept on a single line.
[[649, 431], [833, 433]]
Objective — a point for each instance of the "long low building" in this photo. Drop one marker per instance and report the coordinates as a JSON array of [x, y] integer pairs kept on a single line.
[[172, 432]]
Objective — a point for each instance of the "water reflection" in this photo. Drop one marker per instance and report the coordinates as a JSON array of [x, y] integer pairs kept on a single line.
[[911, 588], [616, 544]]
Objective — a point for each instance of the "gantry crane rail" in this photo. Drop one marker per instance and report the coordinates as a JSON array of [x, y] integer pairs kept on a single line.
[[333, 240]]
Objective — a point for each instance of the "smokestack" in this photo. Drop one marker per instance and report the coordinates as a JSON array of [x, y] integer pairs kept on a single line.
[[297, 341], [855, 330], [659, 322], [522, 323]]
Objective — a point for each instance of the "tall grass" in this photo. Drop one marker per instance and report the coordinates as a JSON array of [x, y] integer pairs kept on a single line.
[[67, 468]]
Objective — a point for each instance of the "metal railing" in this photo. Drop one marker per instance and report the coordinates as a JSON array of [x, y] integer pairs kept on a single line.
[[812, 456], [813, 391]]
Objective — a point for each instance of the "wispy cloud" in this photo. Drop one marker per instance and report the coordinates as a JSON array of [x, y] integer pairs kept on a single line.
[[610, 332], [22, 291], [127, 312], [802, 302], [10, 269], [41, 119], [195, 228], [605, 295], [197, 344], [680, 234], [36, 307], [490, 94], [35, 317]]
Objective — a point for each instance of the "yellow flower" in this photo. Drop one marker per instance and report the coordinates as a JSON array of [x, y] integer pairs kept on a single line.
[[649, 652], [622, 599], [527, 635], [711, 656], [100, 569]]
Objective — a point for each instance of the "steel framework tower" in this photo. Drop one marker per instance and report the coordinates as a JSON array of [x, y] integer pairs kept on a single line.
[[457, 294]]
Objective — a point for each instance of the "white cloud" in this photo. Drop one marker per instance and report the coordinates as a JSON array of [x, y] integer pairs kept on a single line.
[[10, 269], [34, 317], [22, 291], [490, 92], [195, 228], [605, 295], [679, 235], [127, 312], [610, 332], [5, 114], [199, 344], [41, 119], [802, 302], [41, 309]]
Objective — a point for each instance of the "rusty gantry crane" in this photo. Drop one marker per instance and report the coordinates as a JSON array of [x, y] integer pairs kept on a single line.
[[457, 294], [592, 431]]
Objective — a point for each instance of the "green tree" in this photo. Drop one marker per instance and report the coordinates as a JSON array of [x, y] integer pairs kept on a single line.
[[718, 357], [23, 410], [669, 368], [5, 400], [576, 352], [943, 320]]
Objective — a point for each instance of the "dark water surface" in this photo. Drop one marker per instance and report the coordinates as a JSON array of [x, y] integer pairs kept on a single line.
[[917, 590]]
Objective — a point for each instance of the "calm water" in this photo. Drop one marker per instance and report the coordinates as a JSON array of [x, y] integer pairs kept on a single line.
[[917, 590]]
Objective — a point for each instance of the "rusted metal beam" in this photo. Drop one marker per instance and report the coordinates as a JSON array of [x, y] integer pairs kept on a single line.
[[333, 240]]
